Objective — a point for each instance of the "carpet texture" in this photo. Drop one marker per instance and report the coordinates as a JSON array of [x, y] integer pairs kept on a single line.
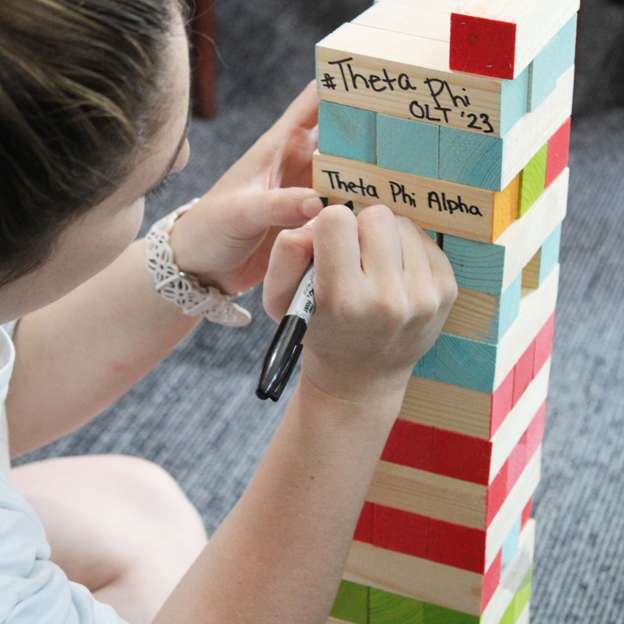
[[196, 413]]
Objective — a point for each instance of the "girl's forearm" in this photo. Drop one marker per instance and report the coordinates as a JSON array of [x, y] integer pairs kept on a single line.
[[77, 356], [280, 554]]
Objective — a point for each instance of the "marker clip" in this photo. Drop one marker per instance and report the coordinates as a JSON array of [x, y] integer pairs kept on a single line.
[[275, 394]]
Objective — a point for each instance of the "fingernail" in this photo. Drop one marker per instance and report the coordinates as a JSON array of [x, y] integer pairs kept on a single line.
[[312, 206]]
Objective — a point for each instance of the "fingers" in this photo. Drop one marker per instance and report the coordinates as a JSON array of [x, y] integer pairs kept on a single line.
[[303, 111], [256, 211], [290, 258]]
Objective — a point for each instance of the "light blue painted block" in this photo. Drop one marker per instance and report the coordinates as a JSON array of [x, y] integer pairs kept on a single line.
[[543, 74], [567, 45], [432, 235], [471, 158], [514, 101], [549, 258], [426, 365], [510, 306], [466, 363], [477, 266], [408, 146], [348, 132], [510, 547]]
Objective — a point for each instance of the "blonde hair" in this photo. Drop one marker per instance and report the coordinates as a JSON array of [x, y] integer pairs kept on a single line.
[[82, 89]]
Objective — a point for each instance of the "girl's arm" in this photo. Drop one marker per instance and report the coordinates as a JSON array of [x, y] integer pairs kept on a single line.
[[78, 355], [383, 291]]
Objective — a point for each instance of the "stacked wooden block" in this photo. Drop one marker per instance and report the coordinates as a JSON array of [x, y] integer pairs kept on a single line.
[[459, 118]]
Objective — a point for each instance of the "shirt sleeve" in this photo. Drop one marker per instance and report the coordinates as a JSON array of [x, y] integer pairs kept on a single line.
[[33, 590]]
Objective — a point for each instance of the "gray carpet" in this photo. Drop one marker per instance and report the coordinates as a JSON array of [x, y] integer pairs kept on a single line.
[[196, 414]]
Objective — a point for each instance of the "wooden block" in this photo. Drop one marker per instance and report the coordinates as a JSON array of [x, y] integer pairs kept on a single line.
[[408, 76], [436, 205], [510, 547], [400, 531], [439, 615], [408, 146], [544, 344], [567, 44], [558, 152], [526, 514], [543, 74], [364, 528], [523, 372], [457, 546], [351, 604], [410, 444], [502, 402], [543, 262], [456, 500], [348, 132], [533, 181], [426, 365], [386, 608], [410, 19], [492, 268], [407, 580], [499, 38], [461, 457], [484, 317], [471, 159]]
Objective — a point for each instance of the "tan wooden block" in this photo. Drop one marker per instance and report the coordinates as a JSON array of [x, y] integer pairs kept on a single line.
[[437, 205], [439, 584]]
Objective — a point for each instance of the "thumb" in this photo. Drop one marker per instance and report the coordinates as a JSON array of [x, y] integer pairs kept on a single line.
[[291, 257], [281, 207]]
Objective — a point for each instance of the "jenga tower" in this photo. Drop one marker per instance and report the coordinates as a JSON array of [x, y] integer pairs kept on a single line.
[[458, 117]]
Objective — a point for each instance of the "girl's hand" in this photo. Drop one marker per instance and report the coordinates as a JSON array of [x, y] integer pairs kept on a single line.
[[383, 290], [226, 239]]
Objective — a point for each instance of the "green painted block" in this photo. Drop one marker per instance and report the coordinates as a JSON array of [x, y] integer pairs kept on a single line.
[[510, 614], [522, 597], [388, 608], [440, 615], [533, 181], [351, 604]]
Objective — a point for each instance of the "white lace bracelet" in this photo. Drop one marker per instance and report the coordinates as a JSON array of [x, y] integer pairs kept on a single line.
[[183, 289]]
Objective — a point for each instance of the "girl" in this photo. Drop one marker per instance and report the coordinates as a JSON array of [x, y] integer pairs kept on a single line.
[[94, 101]]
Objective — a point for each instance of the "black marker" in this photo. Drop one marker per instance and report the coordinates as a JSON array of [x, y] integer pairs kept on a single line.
[[282, 356]]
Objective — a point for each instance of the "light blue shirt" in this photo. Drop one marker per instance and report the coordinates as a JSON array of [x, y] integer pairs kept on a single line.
[[33, 590]]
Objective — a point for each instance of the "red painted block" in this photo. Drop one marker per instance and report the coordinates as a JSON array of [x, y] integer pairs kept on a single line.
[[558, 152], [409, 444], [401, 531], [497, 493], [526, 514], [364, 529], [523, 373], [535, 432], [491, 580], [457, 546], [502, 403], [461, 457], [544, 344], [482, 46]]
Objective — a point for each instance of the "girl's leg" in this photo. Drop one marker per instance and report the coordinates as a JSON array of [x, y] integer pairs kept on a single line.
[[121, 526]]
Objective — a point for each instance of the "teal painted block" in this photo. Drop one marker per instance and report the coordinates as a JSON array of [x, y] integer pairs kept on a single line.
[[466, 363], [471, 158], [388, 608], [544, 73], [426, 365], [351, 604], [432, 235], [510, 306], [348, 132], [408, 146], [549, 258], [477, 266], [567, 45], [510, 547], [514, 101]]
